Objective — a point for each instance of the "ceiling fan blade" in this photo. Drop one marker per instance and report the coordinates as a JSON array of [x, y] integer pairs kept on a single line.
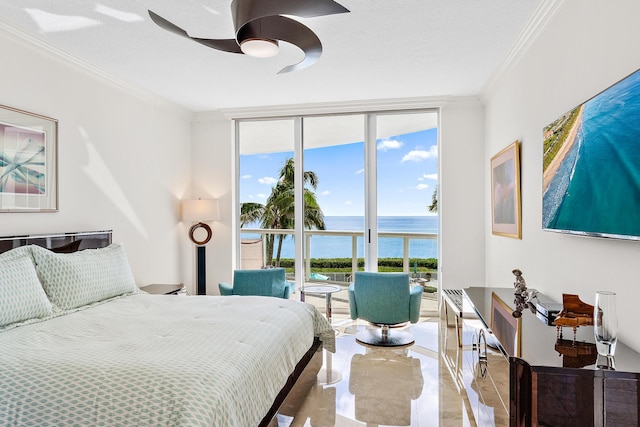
[[245, 11], [227, 45], [311, 8], [287, 30], [164, 24]]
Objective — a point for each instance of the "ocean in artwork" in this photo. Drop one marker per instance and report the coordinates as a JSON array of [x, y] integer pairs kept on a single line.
[[340, 246], [597, 186]]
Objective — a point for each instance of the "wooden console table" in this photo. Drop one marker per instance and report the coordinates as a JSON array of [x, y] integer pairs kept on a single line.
[[557, 382]]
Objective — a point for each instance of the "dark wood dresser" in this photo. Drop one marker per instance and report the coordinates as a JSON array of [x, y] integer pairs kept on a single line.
[[557, 382]]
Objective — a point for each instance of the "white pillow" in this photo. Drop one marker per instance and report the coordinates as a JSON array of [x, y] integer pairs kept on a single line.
[[21, 295], [81, 278], [18, 252]]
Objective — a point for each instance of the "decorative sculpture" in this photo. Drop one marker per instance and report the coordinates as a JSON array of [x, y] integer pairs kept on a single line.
[[523, 296]]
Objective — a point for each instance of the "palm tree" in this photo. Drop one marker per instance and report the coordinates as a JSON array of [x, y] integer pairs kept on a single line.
[[279, 210], [433, 207]]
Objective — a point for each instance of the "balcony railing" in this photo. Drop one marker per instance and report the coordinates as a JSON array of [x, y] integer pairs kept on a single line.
[[406, 238]]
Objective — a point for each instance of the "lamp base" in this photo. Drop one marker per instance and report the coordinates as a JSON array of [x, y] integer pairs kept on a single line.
[[201, 270]]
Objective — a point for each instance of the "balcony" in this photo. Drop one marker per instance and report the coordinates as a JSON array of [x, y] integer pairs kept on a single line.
[[427, 278]]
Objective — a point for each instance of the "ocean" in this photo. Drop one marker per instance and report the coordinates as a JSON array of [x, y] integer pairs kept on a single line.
[[340, 246], [597, 188]]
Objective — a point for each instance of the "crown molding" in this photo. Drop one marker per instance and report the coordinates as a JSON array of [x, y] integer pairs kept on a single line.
[[345, 107], [49, 50], [536, 25]]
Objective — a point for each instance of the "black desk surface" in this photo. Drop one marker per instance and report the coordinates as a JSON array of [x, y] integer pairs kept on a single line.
[[538, 340]]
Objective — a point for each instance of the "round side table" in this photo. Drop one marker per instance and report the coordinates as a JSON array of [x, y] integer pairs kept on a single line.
[[325, 290], [327, 374]]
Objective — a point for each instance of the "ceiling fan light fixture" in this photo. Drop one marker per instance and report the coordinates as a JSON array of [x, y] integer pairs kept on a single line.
[[260, 48]]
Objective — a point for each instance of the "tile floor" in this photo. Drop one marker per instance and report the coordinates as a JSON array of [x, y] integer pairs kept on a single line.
[[421, 385]]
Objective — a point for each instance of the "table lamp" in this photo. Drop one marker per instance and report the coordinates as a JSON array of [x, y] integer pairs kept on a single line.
[[200, 210]]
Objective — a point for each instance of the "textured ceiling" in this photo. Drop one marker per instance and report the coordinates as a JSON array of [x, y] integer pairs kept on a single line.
[[381, 49]]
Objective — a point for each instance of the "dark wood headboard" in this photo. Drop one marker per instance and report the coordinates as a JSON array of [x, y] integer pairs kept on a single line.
[[61, 242]]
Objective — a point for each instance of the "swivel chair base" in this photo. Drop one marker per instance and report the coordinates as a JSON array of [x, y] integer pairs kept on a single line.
[[382, 338]]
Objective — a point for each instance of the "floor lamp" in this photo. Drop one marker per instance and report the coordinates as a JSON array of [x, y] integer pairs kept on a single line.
[[200, 210]]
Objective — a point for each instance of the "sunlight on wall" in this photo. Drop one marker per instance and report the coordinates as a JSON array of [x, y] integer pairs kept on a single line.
[[52, 23], [99, 173], [118, 14]]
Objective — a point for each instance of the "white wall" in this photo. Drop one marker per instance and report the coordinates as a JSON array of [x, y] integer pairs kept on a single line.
[[123, 157], [461, 180], [587, 46], [213, 176]]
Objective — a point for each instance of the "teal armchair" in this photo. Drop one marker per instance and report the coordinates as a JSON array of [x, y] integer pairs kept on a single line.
[[270, 282], [384, 299]]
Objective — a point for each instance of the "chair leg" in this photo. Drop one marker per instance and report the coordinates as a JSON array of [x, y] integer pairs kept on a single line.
[[383, 338], [385, 333]]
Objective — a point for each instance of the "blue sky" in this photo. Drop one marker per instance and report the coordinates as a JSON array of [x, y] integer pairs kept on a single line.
[[407, 175]]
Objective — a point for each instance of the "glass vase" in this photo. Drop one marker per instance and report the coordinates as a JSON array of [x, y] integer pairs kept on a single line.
[[605, 323]]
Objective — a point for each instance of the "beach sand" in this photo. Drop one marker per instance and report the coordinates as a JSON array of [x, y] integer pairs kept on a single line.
[[560, 155]]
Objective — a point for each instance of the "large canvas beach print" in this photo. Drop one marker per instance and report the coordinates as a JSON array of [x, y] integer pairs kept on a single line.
[[591, 165], [28, 181]]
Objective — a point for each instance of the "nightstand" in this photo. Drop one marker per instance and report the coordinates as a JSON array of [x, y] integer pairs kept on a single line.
[[162, 289]]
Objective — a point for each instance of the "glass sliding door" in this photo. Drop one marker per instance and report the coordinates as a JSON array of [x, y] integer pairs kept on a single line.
[[325, 196], [407, 182], [266, 193], [334, 154]]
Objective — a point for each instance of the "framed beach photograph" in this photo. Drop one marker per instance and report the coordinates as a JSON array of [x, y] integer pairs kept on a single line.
[[505, 192], [28, 162]]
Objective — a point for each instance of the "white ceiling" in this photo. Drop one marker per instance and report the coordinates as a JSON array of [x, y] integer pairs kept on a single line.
[[381, 49]]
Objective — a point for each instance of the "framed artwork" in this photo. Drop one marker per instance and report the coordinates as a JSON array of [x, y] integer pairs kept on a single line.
[[504, 326], [28, 162], [506, 215]]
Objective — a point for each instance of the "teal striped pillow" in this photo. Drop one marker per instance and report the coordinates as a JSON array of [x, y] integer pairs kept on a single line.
[[21, 295], [81, 278]]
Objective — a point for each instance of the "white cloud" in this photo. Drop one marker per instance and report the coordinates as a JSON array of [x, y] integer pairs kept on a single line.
[[325, 193], [268, 180], [433, 176], [261, 196], [418, 155], [348, 203], [389, 144], [422, 186], [245, 176], [359, 171]]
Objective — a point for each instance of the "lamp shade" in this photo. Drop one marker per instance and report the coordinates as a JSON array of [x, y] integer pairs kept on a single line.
[[200, 210]]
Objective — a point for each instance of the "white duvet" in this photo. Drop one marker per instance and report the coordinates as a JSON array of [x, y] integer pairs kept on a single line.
[[155, 360]]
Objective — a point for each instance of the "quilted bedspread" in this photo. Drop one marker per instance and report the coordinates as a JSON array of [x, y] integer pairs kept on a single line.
[[155, 360]]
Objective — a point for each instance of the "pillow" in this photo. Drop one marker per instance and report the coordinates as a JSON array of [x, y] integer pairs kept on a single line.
[[21, 295], [18, 252], [84, 277]]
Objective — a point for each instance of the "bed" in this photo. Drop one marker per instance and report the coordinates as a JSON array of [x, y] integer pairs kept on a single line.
[[83, 346]]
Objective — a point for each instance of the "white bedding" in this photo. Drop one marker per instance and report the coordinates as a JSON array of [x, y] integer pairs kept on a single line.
[[155, 360]]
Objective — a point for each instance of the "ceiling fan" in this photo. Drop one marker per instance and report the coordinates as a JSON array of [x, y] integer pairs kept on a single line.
[[259, 25]]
